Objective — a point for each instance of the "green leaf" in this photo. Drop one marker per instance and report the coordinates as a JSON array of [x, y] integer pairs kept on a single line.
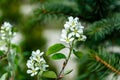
[[49, 74], [55, 48], [4, 76], [58, 56], [77, 53], [1, 52], [68, 72]]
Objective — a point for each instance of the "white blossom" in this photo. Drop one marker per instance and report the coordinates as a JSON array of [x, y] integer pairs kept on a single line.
[[77, 31], [82, 38], [6, 35], [36, 63], [37, 55], [6, 26], [72, 30], [30, 63], [73, 22], [67, 39], [33, 71], [6, 31]]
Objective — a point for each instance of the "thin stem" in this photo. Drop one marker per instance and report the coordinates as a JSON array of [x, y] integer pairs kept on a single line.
[[9, 61], [3, 57], [39, 75], [65, 62]]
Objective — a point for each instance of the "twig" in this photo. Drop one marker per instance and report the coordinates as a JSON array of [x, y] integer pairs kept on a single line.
[[65, 62], [107, 64], [3, 56]]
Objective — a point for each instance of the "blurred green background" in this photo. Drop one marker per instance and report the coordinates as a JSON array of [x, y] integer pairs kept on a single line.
[[32, 18]]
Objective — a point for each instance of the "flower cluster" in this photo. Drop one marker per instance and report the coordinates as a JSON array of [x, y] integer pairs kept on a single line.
[[72, 30], [6, 31], [6, 35], [36, 63]]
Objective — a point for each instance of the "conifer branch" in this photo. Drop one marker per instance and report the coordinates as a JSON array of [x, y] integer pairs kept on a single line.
[[107, 64]]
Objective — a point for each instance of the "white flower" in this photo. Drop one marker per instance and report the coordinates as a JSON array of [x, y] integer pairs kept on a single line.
[[82, 38], [36, 63], [6, 26], [77, 31], [72, 22], [66, 38], [33, 71], [37, 55], [67, 25], [80, 26], [44, 67], [30, 63], [3, 48], [72, 30], [6, 31]]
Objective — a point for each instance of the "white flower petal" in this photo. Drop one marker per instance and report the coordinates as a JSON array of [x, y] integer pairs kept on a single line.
[[35, 73], [70, 18], [70, 35], [66, 26], [83, 38], [38, 51], [71, 39], [77, 35], [80, 31], [76, 19], [32, 74], [29, 71]]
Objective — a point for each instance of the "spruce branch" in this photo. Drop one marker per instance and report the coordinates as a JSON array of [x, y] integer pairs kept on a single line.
[[54, 9], [102, 30], [107, 64]]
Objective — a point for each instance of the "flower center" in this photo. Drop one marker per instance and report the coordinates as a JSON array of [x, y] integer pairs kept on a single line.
[[67, 39], [33, 71], [75, 31], [73, 24]]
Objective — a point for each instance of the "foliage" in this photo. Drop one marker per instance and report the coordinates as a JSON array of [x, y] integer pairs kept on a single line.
[[101, 20]]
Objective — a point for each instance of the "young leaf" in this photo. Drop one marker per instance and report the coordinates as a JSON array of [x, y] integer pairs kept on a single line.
[[77, 53], [49, 74], [4, 76], [55, 48], [68, 72], [58, 56]]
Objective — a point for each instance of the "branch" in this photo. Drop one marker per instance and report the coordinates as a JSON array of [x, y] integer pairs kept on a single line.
[[107, 64], [3, 56]]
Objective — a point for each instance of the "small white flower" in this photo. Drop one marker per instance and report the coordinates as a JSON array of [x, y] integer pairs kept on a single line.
[[44, 67], [67, 25], [36, 63], [30, 63], [33, 71], [73, 22], [3, 48], [82, 38], [77, 31], [6, 26], [37, 55], [72, 30], [67, 39], [80, 26], [6, 31]]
